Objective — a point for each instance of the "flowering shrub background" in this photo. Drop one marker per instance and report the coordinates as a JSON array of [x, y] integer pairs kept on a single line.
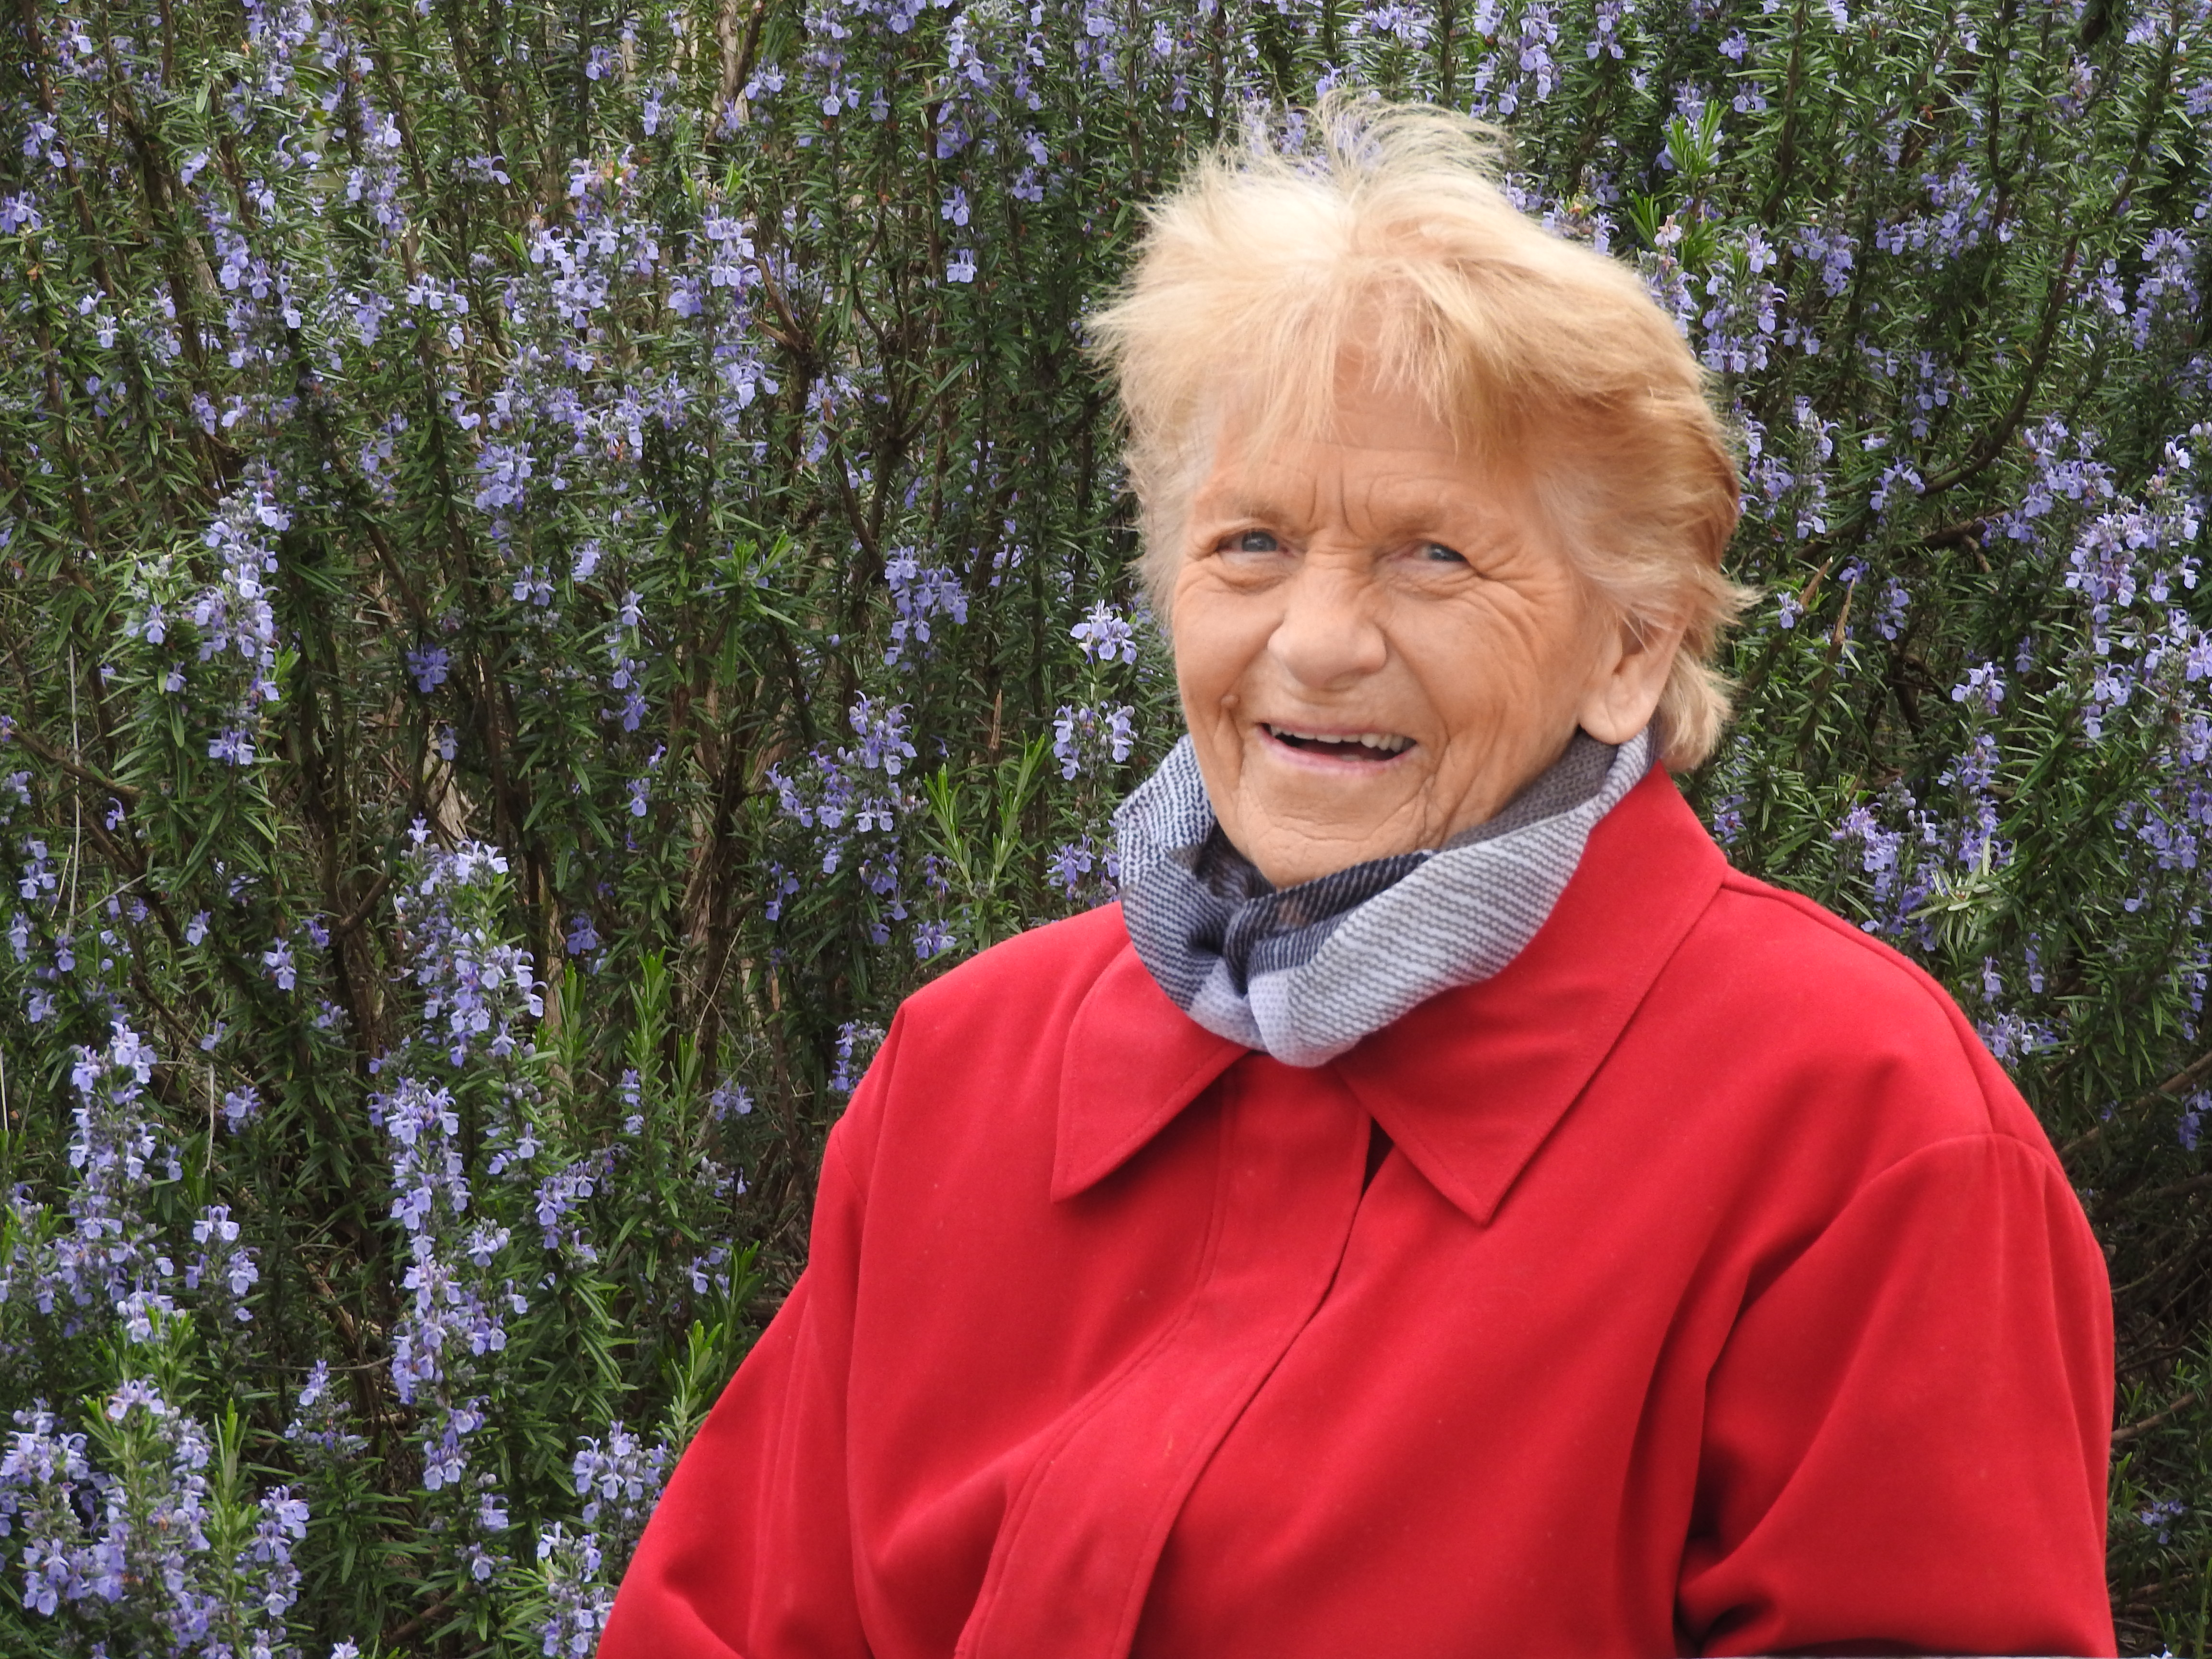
[[555, 560]]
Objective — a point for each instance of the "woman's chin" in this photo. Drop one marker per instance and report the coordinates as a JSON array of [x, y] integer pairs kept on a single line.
[[1306, 839]]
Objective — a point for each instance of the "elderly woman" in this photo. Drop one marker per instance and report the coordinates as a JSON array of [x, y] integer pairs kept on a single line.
[[1444, 1209]]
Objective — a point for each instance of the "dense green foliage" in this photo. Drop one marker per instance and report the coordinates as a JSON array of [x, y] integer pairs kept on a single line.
[[555, 561]]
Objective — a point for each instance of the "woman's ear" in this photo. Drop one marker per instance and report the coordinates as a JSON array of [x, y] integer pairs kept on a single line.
[[1635, 656]]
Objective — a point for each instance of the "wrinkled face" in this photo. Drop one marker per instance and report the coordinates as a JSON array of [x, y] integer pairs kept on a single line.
[[1378, 646]]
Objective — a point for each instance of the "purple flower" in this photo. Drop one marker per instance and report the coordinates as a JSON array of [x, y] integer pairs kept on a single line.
[[619, 1482], [231, 747], [2159, 1518], [223, 1259], [1889, 620], [1984, 687], [2190, 1127], [578, 1598], [1727, 819], [1105, 634], [430, 666], [506, 470], [781, 884], [1065, 748], [1079, 733], [39, 881], [557, 1199], [856, 1042], [919, 593], [884, 745], [1069, 865], [1121, 732]]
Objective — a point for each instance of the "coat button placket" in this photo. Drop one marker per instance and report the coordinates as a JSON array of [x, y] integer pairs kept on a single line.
[[1073, 1562]]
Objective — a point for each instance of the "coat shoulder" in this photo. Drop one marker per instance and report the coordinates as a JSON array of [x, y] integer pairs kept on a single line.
[[1029, 983], [968, 1077], [1778, 968], [996, 1026]]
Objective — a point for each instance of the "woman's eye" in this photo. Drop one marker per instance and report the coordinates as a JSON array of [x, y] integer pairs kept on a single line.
[[1437, 553], [1255, 541]]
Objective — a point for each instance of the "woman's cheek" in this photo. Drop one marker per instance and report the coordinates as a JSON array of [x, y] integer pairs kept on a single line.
[[1217, 631]]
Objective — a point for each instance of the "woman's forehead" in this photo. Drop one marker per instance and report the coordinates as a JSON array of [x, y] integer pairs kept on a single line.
[[1272, 407], [1389, 437], [1369, 476]]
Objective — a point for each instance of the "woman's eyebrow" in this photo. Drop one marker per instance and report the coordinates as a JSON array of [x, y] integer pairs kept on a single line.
[[1398, 506], [1245, 501], [1389, 506]]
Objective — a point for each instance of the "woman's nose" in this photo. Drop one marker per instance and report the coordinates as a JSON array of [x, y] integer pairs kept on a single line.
[[1327, 636]]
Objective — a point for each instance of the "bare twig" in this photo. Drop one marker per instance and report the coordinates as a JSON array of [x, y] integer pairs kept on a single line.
[[2132, 1429], [74, 765]]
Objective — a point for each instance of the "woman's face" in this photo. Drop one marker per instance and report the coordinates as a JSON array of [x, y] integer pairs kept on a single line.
[[1377, 646]]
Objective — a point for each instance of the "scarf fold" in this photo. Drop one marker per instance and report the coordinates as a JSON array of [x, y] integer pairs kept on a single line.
[[1303, 973]]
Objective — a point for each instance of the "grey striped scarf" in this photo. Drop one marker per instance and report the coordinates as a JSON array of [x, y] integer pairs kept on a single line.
[[1304, 972]]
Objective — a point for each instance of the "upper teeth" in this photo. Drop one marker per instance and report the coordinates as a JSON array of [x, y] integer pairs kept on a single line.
[[1388, 741]]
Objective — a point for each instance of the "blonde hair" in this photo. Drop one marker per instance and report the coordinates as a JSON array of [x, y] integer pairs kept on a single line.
[[1384, 242]]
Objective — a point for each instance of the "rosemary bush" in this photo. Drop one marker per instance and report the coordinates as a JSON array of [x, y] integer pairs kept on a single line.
[[555, 560]]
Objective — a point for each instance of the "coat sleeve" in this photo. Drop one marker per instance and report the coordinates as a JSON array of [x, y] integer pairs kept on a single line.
[[750, 1550], [1907, 1433]]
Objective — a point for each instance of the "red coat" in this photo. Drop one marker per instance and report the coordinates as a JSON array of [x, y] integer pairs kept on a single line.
[[1717, 1292]]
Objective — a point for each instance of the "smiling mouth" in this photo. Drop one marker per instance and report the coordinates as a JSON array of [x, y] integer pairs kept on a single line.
[[1370, 746]]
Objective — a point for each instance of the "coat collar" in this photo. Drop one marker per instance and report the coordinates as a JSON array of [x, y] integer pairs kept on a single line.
[[1469, 1084]]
